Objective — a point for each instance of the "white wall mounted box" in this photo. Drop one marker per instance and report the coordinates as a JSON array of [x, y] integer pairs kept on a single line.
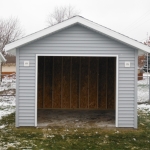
[[127, 64], [26, 63]]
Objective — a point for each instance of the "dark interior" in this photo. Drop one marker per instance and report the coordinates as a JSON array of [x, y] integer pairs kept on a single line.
[[76, 82]]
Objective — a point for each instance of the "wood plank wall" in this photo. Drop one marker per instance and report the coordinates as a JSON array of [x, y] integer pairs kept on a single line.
[[76, 82]]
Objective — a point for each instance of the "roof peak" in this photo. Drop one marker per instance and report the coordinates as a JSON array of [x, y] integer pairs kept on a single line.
[[83, 21]]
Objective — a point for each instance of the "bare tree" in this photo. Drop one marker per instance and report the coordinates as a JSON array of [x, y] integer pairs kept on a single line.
[[61, 13], [147, 42], [9, 31]]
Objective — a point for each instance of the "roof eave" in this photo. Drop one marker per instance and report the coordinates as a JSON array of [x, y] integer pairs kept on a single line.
[[40, 34], [82, 21]]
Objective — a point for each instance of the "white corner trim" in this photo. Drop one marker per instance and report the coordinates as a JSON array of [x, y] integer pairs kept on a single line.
[[117, 90], [78, 55], [36, 77], [84, 22]]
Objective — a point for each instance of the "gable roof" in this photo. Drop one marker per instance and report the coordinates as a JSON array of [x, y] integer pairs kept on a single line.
[[77, 19]]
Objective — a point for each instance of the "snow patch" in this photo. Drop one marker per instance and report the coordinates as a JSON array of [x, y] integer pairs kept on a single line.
[[2, 126], [7, 87], [143, 89], [7, 106], [144, 107]]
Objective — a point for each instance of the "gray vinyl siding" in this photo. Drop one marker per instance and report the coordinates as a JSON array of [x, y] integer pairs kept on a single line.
[[76, 40]]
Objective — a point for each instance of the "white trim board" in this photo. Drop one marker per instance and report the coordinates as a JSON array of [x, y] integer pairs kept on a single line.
[[77, 19], [76, 55], [2, 57]]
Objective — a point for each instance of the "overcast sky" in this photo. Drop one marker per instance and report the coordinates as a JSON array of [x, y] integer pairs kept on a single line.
[[129, 17]]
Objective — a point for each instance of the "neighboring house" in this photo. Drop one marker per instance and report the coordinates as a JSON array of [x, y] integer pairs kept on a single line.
[[2, 59], [8, 68], [76, 64]]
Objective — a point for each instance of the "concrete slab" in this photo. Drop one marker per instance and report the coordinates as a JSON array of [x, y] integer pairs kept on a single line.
[[76, 118]]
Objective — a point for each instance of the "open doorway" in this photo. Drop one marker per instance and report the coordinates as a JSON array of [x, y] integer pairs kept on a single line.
[[76, 84]]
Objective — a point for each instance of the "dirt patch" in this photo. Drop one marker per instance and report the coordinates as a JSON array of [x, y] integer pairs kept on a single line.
[[76, 118]]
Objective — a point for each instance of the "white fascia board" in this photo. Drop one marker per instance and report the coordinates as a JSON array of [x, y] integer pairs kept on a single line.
[[82, 21], [115, 35], [40, 34]]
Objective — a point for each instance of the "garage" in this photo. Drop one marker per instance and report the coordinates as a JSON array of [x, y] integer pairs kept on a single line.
[[76, 66]]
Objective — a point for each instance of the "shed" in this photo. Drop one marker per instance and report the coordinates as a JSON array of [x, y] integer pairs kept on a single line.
[[76, 64], [2, 59]]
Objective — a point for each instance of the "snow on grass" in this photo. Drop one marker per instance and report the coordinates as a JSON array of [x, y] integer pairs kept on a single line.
[[143, 89], [7, 87], [7, 105], [2, 126], [144, 107], [143, 94]]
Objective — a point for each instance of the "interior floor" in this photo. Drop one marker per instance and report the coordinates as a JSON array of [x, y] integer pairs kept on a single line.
[[76, 118]]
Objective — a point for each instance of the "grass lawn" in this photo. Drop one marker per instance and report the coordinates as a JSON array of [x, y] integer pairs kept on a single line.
[[12, 138]]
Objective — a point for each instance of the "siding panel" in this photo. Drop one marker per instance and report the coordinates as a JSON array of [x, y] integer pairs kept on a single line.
[[76, 40]]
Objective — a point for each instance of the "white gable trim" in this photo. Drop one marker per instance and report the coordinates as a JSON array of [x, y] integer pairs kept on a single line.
[[78, 55], [82, 21]]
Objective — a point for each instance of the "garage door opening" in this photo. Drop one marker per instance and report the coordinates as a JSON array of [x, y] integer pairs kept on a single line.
[[72, 84]]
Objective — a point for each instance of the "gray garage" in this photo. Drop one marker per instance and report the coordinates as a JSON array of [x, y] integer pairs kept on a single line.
[[76, 64]]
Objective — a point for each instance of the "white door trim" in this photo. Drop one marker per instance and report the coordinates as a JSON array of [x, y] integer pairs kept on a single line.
[[76, 55]]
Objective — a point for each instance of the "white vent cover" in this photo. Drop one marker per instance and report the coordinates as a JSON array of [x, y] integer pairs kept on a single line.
[[26, 63], [127, 64]]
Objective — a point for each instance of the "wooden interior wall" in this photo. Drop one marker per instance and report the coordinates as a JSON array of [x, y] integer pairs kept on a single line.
[[56, 87], [102, 83], [65, 88], [83, 82], [76, 82], [75, 67], [93, 82], [40, 81], [111, 83], [47, 99]]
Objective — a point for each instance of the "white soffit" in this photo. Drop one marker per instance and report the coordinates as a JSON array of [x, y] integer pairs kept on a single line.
[[82, 21]]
